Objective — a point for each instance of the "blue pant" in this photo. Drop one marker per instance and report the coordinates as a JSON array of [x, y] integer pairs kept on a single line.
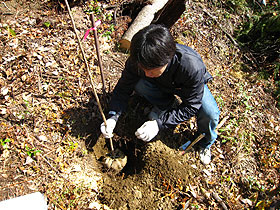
[[207, 116]]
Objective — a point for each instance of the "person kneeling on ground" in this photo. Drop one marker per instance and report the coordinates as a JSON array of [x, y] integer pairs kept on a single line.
[[158, 69]]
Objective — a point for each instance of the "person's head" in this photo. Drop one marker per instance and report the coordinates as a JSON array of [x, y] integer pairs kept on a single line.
[[152, 48]]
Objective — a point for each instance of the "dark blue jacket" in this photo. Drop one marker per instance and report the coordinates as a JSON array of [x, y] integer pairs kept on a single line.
[[184, 76]]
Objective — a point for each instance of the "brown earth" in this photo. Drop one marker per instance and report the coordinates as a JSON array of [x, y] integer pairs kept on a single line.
[[50, 115]]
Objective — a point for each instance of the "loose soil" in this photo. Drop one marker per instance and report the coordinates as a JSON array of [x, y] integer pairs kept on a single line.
[[52, 121]]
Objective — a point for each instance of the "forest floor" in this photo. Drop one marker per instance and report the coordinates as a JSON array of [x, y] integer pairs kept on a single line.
[[49, 119]]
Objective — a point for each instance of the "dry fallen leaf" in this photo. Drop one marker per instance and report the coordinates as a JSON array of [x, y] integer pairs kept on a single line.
[[3, 111], [247, 201], [4, 91], [43, 138], [28, 160]]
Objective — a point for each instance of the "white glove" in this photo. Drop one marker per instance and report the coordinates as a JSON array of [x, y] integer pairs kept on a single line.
[[147, 131], [107, 131]]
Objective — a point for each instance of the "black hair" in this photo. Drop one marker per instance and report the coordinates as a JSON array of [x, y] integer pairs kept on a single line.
[[152, 46]]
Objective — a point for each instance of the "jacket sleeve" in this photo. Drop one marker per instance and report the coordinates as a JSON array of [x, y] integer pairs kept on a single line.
[[124, 87], [191, 93]]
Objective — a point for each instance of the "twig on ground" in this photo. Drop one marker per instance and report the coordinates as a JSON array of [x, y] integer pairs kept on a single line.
[[39, 75], [6, 5], [55, 170], [115, 15], [121, 63], [222, 122], [7, 13], [220, 201], [112, 203]]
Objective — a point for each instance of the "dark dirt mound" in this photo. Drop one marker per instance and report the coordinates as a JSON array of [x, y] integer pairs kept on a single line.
[[156, 176], [154, 186]]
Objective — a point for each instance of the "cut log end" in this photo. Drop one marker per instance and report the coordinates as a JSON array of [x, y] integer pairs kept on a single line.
[[124, 44]]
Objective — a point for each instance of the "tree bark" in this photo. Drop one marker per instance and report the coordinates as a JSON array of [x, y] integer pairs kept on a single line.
[[171, 12]]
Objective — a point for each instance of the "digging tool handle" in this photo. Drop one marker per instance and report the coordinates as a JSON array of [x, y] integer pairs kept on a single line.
[[88, 71], [98, 53], [195, 141], [189, 145]]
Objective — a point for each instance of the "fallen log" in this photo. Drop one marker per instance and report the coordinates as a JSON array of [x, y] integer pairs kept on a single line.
[[143, 19], [165, 12]]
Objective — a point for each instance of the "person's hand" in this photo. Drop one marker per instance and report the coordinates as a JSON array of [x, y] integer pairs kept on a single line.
[[107, 131], [147, 131]]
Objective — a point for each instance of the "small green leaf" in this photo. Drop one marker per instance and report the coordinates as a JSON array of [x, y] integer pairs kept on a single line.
[[32, 152], [47, 24], [12, 32], [4, 142]]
